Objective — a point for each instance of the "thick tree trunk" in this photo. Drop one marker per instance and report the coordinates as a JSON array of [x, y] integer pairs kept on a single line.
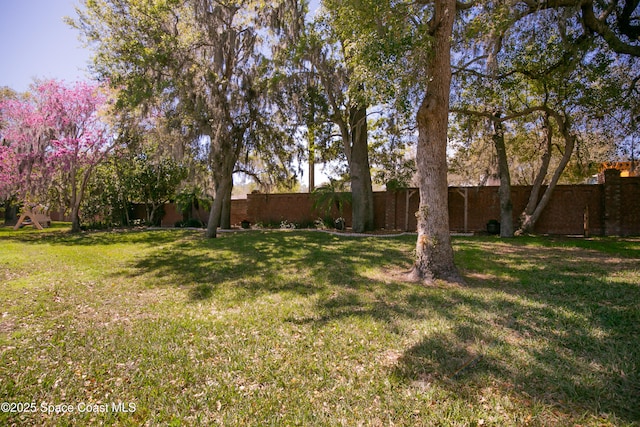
[[214, 217], [360, 171], [75, 209], [225, 218], [223, 187], [223, 180], [434, 254], [506, 205], [75, 220]]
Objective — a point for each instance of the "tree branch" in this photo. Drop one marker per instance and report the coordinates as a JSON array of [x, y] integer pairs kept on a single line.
[[598, 26]]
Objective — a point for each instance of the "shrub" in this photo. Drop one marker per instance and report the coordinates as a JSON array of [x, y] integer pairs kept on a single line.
[[190, 223]]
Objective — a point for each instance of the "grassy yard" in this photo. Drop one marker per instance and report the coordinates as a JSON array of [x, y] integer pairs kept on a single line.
[[303, 328]]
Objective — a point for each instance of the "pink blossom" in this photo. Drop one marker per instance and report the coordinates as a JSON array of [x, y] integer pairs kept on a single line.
[[54, 131]]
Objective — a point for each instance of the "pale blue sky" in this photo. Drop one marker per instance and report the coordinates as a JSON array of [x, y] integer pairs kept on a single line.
[[36, 43]]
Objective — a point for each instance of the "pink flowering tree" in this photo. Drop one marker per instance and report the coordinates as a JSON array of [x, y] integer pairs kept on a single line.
[[25, 138], [55, 136]]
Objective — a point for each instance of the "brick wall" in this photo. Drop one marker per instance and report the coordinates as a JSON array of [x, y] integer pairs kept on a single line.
[[239, 212], [298, 208], [470, 208], [172, 215], [565, 213], [612, 208], [275, 208], [573, 209]]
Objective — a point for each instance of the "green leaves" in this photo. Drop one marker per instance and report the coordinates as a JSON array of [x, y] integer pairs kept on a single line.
[[385, 44]]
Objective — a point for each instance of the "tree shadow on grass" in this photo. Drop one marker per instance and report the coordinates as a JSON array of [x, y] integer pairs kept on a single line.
[[252, 264], [553, 325]]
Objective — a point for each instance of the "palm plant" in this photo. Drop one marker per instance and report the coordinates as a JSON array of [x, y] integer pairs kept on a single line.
[[334, 194]]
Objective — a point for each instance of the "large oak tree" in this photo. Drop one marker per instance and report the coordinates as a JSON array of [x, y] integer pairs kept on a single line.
[[204, 59], [403, 49]]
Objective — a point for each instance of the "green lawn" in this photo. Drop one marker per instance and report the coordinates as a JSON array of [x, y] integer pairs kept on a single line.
[[305, 328]]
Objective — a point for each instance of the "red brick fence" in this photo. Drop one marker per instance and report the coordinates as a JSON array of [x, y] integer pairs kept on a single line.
[[612, 208]]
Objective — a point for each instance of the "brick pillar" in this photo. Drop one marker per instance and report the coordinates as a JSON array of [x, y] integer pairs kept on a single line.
[[612, 202]]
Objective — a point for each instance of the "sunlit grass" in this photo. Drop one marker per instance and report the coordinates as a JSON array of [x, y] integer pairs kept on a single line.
[[302, 328]]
